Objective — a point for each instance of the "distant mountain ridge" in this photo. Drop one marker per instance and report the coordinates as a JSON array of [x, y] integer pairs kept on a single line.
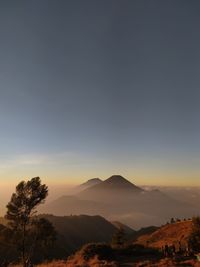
[[117, 199], [114, 185], [118, 182], [89, 183], [127, 230]]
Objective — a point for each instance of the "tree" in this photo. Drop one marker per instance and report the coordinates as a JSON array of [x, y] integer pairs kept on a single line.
[[194, 238], [118, 238], [21, 211], [172, 220], [42, 236]]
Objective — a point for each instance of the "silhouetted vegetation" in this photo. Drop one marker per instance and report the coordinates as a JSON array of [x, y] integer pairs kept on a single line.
[[27, 233], [118, 238], [106, 255], [28, 238], [172, 220], [194, 238], [103, 250]]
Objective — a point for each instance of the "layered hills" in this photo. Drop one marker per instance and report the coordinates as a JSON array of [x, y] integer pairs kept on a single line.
[[118, 199], [76, 230]]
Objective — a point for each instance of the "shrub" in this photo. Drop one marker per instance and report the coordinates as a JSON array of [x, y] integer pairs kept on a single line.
[[194, 238], [89, 251]]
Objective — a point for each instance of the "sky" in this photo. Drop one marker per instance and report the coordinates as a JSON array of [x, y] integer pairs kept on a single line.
[[94, 88]]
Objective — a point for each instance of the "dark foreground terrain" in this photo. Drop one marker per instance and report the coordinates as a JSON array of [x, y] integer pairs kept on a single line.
[[144, 250]]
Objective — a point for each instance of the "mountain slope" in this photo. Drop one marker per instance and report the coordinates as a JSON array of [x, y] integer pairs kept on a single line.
[[118, 182], [127, 230], [168, 234], [89, 183], [68, 205], [114, 186], [75, 231]]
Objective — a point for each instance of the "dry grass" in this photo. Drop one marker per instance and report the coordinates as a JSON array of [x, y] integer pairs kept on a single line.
[[168, 234], [78, 261], [146, 263], [53, 264], [50, 264], [95, 262], [168, 263]]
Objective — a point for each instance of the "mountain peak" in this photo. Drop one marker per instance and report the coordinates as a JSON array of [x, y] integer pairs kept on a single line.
[[115, 183], [91, 182], [95, 180], [119, 181]]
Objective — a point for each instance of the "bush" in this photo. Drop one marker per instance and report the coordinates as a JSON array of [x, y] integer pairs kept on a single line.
[[194, 238], [103, 251], [139, 250]]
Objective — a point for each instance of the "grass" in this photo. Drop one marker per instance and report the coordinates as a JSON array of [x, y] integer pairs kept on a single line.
[[76, 262]]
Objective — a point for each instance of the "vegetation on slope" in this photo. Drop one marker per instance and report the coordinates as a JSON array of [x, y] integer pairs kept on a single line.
[[168, 234]]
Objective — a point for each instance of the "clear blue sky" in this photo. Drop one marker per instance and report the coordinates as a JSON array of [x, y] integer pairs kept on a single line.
[[93, 88]]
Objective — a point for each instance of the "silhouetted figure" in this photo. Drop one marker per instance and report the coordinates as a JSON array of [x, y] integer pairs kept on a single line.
[[187, 251], [163, 250], [173, 250], [179, 247], [166, 253]]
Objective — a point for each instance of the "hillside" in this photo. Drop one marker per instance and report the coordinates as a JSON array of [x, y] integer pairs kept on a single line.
[[72, 233], [118, 199], [127, 230], [75, 231], [168, 234]]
